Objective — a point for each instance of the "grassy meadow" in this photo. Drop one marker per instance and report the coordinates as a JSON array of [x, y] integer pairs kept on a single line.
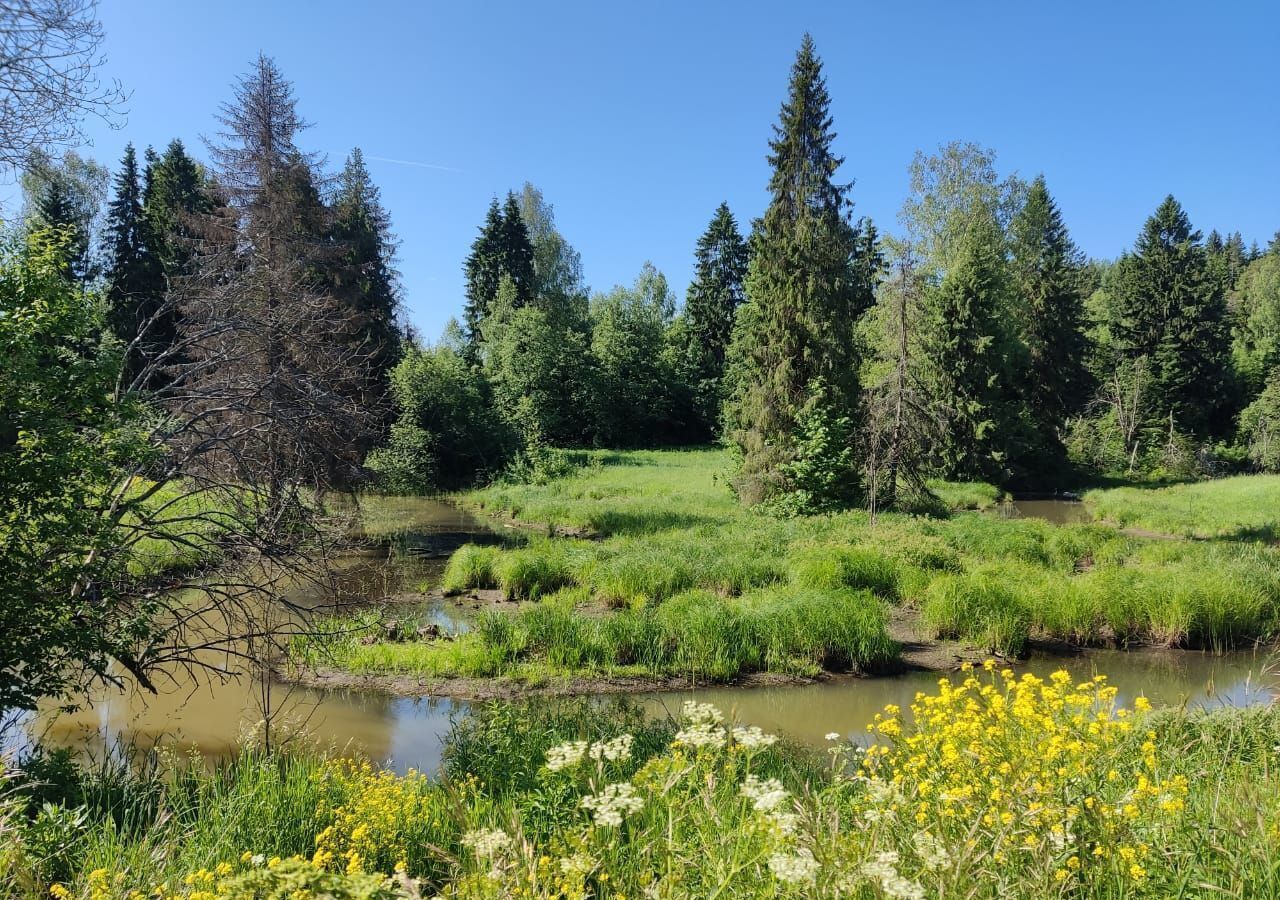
[[1244, 508], [993, 785], [681, 580]]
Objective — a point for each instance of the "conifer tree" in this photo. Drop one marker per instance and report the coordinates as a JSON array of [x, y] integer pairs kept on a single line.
[[807, 283], [1169, 308], [1046, 274], [502, 249], [964, 364], [364, 275], [135, 281], [713, 298]]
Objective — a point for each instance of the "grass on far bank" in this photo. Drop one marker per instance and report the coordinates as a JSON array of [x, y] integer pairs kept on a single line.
[[1243, 508], [684, 581], [994, 786]]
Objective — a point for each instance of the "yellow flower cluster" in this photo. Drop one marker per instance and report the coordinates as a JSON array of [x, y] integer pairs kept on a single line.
[[379, 819], [1012, 769]]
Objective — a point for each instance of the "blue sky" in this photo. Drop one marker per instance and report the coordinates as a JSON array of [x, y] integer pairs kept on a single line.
[[637, 119]]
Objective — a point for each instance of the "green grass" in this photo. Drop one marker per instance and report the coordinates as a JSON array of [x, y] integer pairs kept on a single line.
[[694, 634], [958, 495], [1246, 507], [678, 578]]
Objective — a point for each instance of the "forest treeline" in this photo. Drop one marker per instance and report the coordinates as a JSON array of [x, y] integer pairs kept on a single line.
[[845, 365]]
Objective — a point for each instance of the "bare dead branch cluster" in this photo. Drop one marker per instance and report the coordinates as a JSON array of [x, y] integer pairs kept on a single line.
[[50, 54]]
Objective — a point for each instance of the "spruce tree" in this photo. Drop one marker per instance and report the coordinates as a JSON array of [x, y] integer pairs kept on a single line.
[[713, 298], [963, 362], [807, 283], [502, 249], [135, 281], [1046, 269], [364, 275], [1169, 308]]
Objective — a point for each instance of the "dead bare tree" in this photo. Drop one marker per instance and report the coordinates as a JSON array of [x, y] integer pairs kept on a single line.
[[259, 409], [50, 54], [899, 416]]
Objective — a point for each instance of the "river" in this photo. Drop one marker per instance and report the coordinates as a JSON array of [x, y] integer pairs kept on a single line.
[[406, 733]]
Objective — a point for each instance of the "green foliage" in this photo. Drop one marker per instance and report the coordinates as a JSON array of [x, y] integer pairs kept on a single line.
[[1255, 303], [447, 435], [1259, 427], [633, 375], [1046, 280], [965, 362], [707, 319], [539, 365], [501, 251], [60, 436], [1169, 309], [811, 276]]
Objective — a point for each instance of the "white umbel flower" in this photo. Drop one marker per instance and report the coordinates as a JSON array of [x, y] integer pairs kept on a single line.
[[566, 756], [794, 868], [613, 804], [487, 842], [617, 749], [752, 738]]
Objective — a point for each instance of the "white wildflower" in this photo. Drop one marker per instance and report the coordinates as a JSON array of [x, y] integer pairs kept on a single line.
[[697, 713], [702, 734], [614, 750], [786, 822], [613, 803], [833, 735], [794, 868], [487, 842], [881, 797], [752, 737], [566, 756], [766, 796], [580, 863], [258, 860], [930, 850], [884, 870]]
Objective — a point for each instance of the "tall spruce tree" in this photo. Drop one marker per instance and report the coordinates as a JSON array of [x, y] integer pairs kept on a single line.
[[1046, 270], [135, 280], [364, 276], [713, 297], [1169, 308], [806, 285], [963, 359]]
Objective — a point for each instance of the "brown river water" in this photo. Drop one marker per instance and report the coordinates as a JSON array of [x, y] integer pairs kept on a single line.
[[407, 733]]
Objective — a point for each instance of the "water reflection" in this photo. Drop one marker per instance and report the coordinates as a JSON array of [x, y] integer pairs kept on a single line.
[[414, 537], [407, 732], [1168, 678], [1057, 511]]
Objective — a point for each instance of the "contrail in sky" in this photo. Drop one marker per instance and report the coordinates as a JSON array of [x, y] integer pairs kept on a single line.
[[410, 162]]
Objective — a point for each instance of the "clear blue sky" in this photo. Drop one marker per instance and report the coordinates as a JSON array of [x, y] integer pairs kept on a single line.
[[637, 119]]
